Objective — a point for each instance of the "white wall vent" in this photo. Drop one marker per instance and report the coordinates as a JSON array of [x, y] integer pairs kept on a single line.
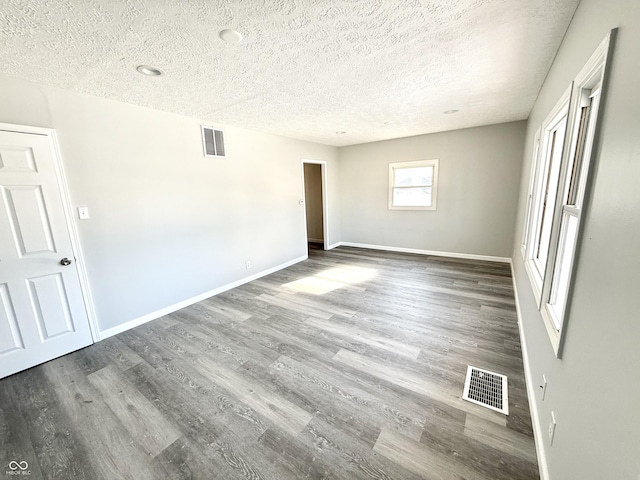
[[213, 142], [487, 389]]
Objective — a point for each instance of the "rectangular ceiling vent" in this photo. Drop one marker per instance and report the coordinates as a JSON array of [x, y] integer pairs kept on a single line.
[[487, 389], [213, 142]]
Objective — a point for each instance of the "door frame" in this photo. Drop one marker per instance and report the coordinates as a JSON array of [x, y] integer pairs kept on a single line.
[[325, 210], [70, 219]]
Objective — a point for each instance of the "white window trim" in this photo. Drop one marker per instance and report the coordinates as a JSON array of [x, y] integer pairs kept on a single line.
[[591, 78], [590, 81], [530, 194], [434, 185], [532, 268]]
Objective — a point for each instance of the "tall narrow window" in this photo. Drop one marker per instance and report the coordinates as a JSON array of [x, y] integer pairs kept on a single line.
[[573, 197], [553, 158], [558, 185], [547, 175], [530, 193], [413, 185]]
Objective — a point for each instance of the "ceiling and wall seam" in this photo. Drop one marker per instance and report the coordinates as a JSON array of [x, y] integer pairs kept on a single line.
[[375, 69], [566, 30]]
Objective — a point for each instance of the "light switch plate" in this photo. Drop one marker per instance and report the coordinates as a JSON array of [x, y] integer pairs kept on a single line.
[[83, 213]]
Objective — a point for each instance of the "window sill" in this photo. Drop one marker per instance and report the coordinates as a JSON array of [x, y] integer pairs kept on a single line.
[[554, 335], [391, 207]]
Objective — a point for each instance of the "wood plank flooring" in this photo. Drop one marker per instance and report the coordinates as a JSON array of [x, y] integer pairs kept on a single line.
[[349, 365]]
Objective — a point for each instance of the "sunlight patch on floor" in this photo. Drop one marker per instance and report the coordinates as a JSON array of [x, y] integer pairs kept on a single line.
[[332, 279]]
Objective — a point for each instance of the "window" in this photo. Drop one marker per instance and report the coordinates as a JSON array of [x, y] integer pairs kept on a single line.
[[563, 151], [571, 201], [534, 164], [545, 176], [413, 185]]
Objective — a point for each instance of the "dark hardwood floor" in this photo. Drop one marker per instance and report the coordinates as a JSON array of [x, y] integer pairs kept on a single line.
[[348, 365]]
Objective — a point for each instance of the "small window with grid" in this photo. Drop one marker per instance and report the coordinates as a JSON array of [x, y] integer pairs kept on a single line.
[[413, 185]]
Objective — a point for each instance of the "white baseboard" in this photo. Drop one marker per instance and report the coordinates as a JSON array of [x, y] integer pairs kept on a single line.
[[538, 431], [109, 332], [469, 256], [333, 245]]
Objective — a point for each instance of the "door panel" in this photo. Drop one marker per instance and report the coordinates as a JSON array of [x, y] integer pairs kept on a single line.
[[29, 219], [10, 338], [17, 159], [42, 311], [50, 306]]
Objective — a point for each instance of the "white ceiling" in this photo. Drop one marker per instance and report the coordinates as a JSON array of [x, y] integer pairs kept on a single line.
[[376, 69]]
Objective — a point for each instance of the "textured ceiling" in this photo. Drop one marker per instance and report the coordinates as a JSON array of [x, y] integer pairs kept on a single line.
[[376, 69]]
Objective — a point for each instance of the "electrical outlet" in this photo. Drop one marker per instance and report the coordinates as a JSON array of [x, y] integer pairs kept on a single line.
[[248, 264], [552, 428], [544, 386]]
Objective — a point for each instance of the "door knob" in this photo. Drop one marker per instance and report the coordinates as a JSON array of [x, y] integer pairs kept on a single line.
[[65, 262]]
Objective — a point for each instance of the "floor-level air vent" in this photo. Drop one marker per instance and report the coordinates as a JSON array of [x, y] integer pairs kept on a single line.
[[487, 389], [213, 141]]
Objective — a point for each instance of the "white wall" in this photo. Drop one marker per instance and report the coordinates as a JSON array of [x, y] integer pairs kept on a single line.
[[595, 387], [313, 201], [167, 223], [479, 176]]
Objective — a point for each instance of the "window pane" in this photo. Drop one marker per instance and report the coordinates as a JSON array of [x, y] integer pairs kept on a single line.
[[534, 171], [412, 197], [560, 284], [578, 157], [549, 195], [413, 177]]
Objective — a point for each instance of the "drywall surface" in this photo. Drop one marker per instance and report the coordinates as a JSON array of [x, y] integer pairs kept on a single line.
[[166, 223], [479, 176], [594, 388], [313, 200]]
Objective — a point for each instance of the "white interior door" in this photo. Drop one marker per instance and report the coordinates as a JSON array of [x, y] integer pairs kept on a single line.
[[42, 312]]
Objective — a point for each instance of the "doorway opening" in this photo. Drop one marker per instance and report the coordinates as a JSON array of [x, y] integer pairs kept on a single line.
[[315, 199]]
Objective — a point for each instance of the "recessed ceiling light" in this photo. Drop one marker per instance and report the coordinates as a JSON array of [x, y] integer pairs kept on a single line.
[[449, 112], [149, 71], [230, 36], [340, 132]]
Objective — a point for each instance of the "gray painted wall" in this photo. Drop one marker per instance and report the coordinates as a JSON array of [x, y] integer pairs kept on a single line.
[[313, 200], [594, 389], [479, 177], [167, 223]]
